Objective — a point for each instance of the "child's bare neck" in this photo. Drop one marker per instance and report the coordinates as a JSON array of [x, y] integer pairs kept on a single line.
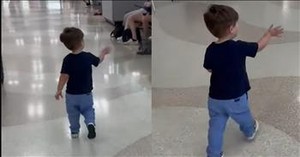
[[223, 39], [77, 51]]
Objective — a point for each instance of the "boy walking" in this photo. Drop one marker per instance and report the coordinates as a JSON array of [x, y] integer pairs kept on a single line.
[[229, 83], [76, 71]]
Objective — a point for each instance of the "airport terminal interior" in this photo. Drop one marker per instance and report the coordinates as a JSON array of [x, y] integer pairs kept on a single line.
[[145, 105]]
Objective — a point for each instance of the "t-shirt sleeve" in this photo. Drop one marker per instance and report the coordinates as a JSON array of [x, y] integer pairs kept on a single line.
[[207, 61], [94, 60], [65, 69], [247, 48]]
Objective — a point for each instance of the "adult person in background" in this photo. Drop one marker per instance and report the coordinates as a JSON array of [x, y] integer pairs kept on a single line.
[[131, 18]]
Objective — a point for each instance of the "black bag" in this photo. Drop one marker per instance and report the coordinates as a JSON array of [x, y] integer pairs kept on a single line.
[[118, 31], [126, 35]]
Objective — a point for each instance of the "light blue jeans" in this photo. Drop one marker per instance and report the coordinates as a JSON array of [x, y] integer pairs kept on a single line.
[[219, 112], [80, 104]]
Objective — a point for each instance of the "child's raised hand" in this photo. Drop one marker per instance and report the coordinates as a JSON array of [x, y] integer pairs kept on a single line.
[[106, 50], [275, 32]]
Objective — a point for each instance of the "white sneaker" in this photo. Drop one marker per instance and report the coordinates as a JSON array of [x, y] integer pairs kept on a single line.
[[74, 135], [256, 126], [131, 42]]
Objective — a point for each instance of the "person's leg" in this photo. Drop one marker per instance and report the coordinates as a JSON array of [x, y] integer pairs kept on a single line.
[[73, 113], [125, 19], [132, 26], [145, 20], [217, 125], [240, 112], [136, 16], [88, 111]]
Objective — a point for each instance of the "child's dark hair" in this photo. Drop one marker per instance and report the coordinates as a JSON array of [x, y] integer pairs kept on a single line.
[[218, 18], [71, 37]]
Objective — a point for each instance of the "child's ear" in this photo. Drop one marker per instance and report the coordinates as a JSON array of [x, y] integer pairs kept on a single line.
[[231, 28]]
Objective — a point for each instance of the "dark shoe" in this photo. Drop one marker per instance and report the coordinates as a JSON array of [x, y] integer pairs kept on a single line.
[[92, 132]]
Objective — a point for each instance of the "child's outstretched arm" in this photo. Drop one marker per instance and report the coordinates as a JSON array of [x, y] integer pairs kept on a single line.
[[272, 32], [63, 79], [104, 52]]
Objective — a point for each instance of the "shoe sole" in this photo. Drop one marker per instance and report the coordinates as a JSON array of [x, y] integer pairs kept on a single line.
[[92, 133], [73, 136], [255, 132]]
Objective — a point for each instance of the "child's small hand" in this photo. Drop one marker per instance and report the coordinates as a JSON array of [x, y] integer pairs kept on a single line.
[[275, 32], [106, 51], [58, 95]]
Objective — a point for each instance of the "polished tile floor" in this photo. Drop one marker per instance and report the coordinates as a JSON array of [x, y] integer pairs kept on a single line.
[[33, 122]]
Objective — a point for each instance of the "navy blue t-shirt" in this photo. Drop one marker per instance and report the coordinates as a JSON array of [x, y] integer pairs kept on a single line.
[[227, 61], [79, 68]]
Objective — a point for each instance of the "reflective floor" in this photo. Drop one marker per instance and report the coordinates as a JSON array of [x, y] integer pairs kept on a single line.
[[33, 122]]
